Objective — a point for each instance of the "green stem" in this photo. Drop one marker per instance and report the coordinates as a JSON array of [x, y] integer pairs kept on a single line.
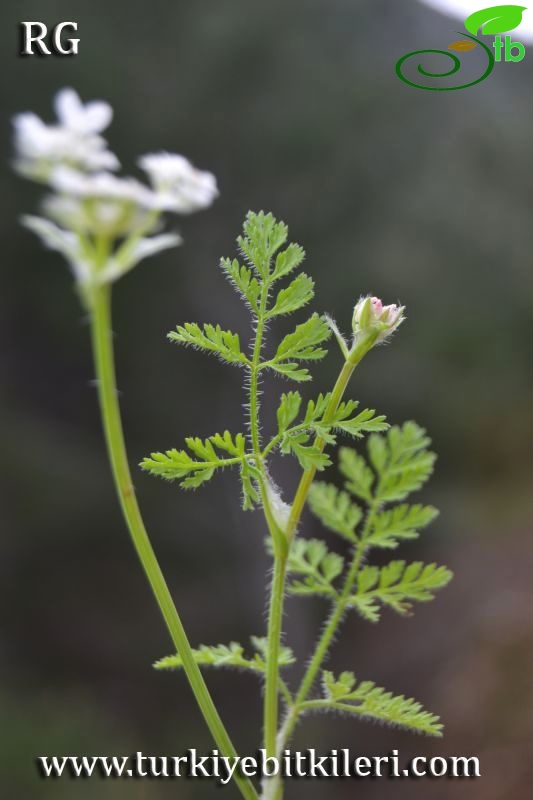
[[275, 624], [107, 393], [272, 688], [274, 788], [355, 356], [328, 634]]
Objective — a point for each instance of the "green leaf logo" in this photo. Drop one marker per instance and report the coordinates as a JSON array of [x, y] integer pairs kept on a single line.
[[494, 20]]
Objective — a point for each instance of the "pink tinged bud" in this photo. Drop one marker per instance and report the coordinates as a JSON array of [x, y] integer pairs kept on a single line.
[[377, 306], [370, 315]]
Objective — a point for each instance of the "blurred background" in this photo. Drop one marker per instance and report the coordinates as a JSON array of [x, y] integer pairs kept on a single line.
[[423, 197]]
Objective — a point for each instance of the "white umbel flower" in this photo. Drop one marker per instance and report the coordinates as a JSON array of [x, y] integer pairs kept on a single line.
[[102, 223], [102, 185], [108, 217], [100, 202], [75, 141], [179, 186], [88, 119]]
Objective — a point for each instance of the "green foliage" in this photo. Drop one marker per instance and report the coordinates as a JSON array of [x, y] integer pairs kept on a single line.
[[199, 465], [399, 524], [249, 475], [296, 295], [211, 339], [368, 700], [401, 460], [232, 655], [244, 281], [287, 261], [401, 464], [364, 422], [296, 439], [396, 585], [303, 344], [323, 423], [308, 455], [261, 245], [263, 236], [360, 477], [319, 568], [335, 510], [288, 410]]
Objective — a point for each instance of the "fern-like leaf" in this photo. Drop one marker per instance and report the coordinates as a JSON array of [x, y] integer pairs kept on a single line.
[[402, 461], [318, 566], [308, 455], [303, 344], [211, 339], [288, 410], [397, 586], [335, 510], [198, 464], [287, 260], [398, 524], [229, 656], [360, 477], [263, 236], [244, 281], [296, 439], [295, 296], [369, 701]]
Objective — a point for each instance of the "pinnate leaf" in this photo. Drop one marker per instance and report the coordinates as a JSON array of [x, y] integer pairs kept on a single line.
[[288, 410], [402, 461], [360, 477], [335, 509], [197, 464], [296, 295], [263, 236], [318, 566], [211, 339], [303, 343], [396, 585], [308, 455], [288, 260], [398, 524], [245, 282], [369, 701], [232, 655]]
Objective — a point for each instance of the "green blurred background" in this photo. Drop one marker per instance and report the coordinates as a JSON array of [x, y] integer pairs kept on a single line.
[[425, 197]]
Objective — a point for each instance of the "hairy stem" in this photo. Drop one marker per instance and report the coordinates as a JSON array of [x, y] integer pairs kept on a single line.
[[271, 694], [328, 634], [275, 624], [355, 356], [107, 393], [274, 788]]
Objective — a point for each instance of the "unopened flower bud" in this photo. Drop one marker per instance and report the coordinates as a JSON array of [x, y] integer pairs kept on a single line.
[[371, 316]]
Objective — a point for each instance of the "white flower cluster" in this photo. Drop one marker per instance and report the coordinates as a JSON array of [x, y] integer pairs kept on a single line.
[[99, 221]]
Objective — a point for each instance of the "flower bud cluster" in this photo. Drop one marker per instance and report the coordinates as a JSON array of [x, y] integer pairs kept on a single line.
[[89, 204], [370, 316]]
